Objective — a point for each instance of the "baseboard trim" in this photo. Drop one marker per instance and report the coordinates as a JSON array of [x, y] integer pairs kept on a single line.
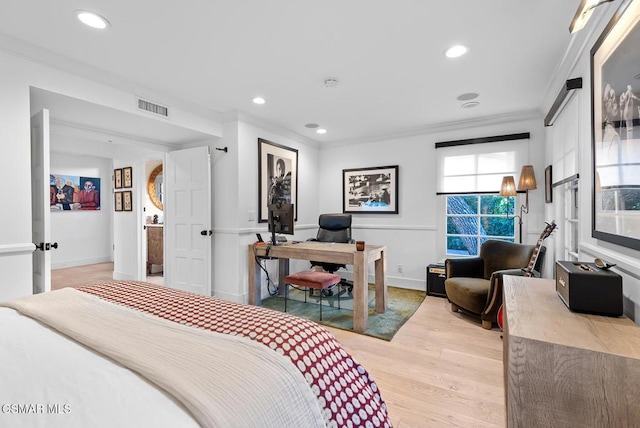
[[237, 298], [83, 262]]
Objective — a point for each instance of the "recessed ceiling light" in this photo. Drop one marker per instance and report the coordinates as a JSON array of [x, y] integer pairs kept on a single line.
[[259, 100], [470, 104], [321, 131], [468, 96], [311, 125], [456, 51], [91, 19]]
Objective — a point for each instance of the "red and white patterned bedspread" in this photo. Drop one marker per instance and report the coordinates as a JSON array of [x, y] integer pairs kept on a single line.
[[346, 393]]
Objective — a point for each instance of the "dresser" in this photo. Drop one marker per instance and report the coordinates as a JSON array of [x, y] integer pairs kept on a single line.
[[155, 245], [564, 369]]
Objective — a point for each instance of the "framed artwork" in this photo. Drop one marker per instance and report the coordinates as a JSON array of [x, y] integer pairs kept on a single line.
[[277, 177], [127, 203], [548, 190], [72, 192], [127, 177], [117, 201], [370, 190], [615, 126], [117, 178]]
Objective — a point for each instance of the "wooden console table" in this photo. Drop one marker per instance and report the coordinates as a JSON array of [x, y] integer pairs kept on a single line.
[[330, 253], [564, 369]]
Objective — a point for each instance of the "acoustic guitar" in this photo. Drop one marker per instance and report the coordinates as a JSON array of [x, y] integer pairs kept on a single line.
[[528, 271]]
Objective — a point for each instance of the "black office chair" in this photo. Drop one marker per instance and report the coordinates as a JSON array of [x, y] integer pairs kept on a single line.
[[334, 228]]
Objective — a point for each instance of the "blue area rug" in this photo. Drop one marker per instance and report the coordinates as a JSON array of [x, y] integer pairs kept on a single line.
[[402, 304]]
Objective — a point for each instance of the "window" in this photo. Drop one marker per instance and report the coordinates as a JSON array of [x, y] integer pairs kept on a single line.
[[469, 174], [472, 219]]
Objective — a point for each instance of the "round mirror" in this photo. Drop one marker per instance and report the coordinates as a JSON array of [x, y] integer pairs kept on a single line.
[[154, 187]]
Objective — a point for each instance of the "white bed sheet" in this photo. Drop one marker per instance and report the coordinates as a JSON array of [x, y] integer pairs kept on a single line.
[[71, 386]]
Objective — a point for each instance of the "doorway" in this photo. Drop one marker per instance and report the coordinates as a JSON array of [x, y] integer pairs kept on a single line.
[[84, 129]]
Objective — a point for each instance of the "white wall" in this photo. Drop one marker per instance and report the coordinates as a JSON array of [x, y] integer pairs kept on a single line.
[[83, 237], [236, 203], [415, 237]]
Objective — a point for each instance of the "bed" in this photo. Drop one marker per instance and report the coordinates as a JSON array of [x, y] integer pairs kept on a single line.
[[133, 354]]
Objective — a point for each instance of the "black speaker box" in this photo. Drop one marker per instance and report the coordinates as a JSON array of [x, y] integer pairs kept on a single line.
[[435, 280], [585, 288]]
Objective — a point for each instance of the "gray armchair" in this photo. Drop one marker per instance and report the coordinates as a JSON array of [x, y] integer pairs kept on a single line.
[[475, 284]]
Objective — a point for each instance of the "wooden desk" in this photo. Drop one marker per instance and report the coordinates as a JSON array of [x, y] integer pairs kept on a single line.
[[564, 369], [331, 253]]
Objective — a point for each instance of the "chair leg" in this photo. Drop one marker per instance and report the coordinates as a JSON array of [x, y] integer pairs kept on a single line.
[[286, 292], [339, 292], [320, 305], [487, 325]]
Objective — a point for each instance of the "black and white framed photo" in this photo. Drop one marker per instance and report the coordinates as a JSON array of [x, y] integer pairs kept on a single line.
[[615, 126], [548, 190], [370, 190], [277, 177]]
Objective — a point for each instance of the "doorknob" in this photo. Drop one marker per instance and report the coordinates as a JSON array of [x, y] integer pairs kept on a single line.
[[46, 246], [206, 232]]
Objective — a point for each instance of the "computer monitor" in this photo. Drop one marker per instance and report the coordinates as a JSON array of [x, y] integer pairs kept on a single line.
[[281, 218]]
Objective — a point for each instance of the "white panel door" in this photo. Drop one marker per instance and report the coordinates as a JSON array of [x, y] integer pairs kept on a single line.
[[187, 206], [40, 205]]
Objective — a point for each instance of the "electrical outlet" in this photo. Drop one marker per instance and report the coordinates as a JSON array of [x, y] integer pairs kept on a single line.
[[399, 268]]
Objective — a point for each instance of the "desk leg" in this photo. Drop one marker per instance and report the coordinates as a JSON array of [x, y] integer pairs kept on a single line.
[[360, 292], [381, 283], [255, 275]]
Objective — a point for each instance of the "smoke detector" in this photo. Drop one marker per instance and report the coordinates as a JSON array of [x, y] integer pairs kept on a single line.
[[331, 82]]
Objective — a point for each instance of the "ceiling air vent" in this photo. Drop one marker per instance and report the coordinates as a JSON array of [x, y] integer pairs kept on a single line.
[[153, 108]]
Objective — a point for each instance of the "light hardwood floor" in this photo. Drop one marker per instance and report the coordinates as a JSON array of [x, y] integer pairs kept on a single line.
[[440, 370], [89, 274]]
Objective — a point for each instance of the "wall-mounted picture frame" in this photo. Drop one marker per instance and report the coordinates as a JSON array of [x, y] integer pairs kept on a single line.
[[277, 177], [72, 192], [615, 126], [117, 201], [117, 178], [127, 201], [548, 183], [127, 177], [370, 190]]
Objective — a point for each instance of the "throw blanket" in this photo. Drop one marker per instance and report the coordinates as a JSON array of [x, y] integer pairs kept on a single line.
[[200, 368], [345, 391]]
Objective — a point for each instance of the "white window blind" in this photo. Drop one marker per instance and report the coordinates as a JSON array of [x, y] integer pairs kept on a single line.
[[475, 168]]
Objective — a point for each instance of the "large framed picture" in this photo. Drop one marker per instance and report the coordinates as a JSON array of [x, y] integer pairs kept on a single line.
[[277, 177], [370, 190], [616, 129]]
